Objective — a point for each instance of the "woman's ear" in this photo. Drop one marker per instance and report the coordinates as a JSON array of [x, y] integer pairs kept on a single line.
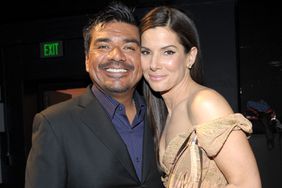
[[191, 57]]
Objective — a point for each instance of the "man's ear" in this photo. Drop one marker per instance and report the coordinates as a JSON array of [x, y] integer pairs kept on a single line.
[[87, 63]]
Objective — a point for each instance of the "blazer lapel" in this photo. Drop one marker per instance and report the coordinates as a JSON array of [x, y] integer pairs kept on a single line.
[[97, 120], [148, 151]]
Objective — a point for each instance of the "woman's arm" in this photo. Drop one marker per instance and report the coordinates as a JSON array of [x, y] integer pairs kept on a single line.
[[237, 162]]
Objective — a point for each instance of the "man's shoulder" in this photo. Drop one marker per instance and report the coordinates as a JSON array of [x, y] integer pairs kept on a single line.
[[67, 106], [59, 109]]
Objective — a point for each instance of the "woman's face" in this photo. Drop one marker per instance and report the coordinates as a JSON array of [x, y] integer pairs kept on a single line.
[[163, 59]]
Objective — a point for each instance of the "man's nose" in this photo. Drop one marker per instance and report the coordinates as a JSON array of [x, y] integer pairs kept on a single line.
[[117, 54]]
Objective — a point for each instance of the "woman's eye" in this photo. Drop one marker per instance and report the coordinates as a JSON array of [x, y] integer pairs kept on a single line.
[[145, 52], [169, 52]]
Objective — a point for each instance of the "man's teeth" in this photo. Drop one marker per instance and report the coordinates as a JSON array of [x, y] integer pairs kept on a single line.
[[116, 70]]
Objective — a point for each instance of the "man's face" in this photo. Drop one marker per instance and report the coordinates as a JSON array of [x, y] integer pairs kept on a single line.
[[113, 61]]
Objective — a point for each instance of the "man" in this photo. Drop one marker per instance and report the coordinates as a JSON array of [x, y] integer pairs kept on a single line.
[[99, 139]]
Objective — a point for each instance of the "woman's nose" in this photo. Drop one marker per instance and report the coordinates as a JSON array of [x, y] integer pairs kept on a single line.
[[155, 64]]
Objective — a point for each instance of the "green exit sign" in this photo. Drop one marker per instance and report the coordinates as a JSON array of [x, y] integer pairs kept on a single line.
[[51, 49]]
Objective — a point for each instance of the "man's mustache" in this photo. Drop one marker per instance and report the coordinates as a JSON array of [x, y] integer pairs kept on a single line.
[[120, 64]]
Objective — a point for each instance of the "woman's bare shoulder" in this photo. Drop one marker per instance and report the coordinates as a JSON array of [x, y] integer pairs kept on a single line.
[[206, 104]]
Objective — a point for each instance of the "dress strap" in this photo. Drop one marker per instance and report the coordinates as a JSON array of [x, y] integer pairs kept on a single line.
[[196, 165], [195, 171]]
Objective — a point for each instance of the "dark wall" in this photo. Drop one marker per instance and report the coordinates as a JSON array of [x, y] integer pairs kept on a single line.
[[217, 30], [25, 76], [261, 53], [260, 59], [2, 124]]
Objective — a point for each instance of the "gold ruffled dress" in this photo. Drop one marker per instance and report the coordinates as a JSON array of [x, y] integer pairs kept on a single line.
[[187, 160]]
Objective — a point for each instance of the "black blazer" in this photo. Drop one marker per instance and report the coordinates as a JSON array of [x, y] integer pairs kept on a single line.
[[75, 145]]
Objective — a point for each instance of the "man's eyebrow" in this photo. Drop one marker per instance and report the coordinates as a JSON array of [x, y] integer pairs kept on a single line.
[[132, 41], [125, 40], [102, 40]]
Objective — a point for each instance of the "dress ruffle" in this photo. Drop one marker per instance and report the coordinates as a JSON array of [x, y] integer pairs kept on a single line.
[[212, 135]]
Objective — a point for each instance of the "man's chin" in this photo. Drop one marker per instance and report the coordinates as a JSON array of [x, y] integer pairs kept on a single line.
[[118, 89]]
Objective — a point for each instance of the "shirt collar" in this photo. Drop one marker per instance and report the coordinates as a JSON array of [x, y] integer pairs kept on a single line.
[[111, 105]]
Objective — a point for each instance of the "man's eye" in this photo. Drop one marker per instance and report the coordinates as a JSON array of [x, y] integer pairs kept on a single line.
[[102, 47], [130, 48]]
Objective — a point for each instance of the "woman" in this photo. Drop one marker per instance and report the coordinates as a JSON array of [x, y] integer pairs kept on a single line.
[[201, 141]]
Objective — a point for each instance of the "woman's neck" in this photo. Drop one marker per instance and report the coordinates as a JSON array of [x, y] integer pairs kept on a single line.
[[178, 93]]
